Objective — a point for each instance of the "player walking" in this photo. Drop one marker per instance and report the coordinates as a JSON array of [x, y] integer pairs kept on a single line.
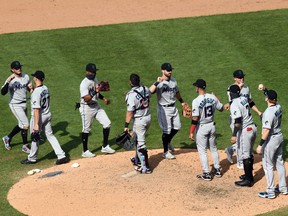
[[244, 133], [41, 121], [138, 110], [90, 110], [17, 84], [245, 92], [271, 147], [168, 116], [203, 108]]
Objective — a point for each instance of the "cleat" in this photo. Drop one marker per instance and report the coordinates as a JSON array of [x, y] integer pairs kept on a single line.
[[134, 162], [143, 171], [62, 161], [276, 190], [204, 176], [244, 183], [216, 172], [168, 155], [26, 161], [266, 195], [26, 149], [107, 150], [6, 141], [88, 154]]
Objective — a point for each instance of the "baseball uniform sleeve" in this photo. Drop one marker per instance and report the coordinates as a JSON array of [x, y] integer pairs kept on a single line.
[[195, 108], [36, 99], [267, 120]]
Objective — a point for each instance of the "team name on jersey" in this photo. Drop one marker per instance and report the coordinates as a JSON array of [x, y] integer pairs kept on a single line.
[[206, 101], [18, 85], [166, 88], [244, 101], [44, 93], [278, 113]]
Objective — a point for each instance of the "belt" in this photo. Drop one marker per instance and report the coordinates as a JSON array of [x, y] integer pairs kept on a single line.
[[276, 133], [168, 105]]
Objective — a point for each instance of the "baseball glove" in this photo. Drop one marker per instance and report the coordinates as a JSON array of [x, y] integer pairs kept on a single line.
[[186, 111], [125, 140], [104, 86], [36, 136]]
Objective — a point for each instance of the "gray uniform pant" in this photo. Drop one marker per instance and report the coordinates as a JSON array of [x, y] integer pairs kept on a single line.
[[206, 135], [168, 118], [140, 127], [45, 125], [245, 141], [20, 112], [272, 155]]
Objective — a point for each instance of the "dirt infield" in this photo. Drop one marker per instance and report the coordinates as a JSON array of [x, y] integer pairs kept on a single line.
[[107, 184]]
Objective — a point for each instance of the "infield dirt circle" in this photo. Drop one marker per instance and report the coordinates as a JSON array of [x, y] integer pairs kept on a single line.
[[107, 184]]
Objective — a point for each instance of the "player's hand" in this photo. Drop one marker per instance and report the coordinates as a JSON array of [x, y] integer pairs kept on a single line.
[[259, 149], [106, 101], [227, 106], [11, 77], [233, 139], [192, 136], [159, 79], [126, 129]]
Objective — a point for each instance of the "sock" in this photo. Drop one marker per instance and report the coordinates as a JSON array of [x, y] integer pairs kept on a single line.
[[15, 130], [106, 132], [24, 136], [85, 141], [165, 141], [172, 134]]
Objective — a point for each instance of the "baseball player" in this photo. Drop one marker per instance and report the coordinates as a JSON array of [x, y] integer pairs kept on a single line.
[[203, 108], [271, 147], [245, 92], [18, 83], [138, 110], [168, 116], [41, 121], [244, 133], [90, 110]]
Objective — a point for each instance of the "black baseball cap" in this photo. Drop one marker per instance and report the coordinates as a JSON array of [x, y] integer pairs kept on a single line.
[[272, 95], [91, 68], [16, 65], [238, 74], [235, 89], [200, 83], [39, 75], [166, 66]]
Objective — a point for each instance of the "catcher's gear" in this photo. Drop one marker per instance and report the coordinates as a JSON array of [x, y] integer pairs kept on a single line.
[[186, 111], [126, 140], [35, 135], [104, 86]]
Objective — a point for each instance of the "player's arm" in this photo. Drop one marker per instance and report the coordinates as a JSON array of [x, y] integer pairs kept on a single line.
[[237, 126], [106, 100], [193, 126], [264, 137], [153, 87], [179, 98], [36, 114], [129, 116], [254, 107], [5, 87]]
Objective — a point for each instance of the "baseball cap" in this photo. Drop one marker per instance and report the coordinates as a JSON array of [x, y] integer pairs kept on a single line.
[[16, 65], [238, 74], [200, 83], [166, 66], [91, 68], [39, 75], [272, 95], [234, 89]]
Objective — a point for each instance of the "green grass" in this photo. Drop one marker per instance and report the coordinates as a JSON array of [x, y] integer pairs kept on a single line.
[[205, 47]]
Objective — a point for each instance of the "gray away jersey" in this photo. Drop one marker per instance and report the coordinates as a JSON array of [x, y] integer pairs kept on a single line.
[[85, 86], [166, 91], [40, 99], [139, 104], [240, 109], [204, 106], [245, 92], [272, 118], [18, 89]]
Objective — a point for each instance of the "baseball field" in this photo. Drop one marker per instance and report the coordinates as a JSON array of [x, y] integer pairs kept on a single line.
[[198, 43]]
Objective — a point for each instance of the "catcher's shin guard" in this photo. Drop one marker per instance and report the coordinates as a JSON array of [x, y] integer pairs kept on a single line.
[[143, 157]]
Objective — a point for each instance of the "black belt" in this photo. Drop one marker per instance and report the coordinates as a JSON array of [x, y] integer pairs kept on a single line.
[[276, 133], [169, 105]]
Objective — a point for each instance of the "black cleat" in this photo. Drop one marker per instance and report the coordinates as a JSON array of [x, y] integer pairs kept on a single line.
[[62, 161], [244, 183], [26, 161]]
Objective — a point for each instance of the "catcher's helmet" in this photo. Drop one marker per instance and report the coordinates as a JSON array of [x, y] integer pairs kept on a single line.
[[125, 140], [234, 91]]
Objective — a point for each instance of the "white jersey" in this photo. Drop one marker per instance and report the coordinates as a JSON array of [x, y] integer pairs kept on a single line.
[[166, 92], [204, 106], [85, 86], [40, 99], [245, 92], [18, 89], [272, 118], [240, 109], [137, 100]]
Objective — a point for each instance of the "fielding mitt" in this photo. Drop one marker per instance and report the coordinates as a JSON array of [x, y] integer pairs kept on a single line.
[[36, 136], [125, 140], [104, 86], [186, 111]]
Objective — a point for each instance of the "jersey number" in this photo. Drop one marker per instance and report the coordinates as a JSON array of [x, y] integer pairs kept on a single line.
[[208, 111]]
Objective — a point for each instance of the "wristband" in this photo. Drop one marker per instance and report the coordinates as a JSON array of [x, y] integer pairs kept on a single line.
[[126, 124], [192, 128], [262, 142], [100, 96], [156, 83], [251, 104]]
